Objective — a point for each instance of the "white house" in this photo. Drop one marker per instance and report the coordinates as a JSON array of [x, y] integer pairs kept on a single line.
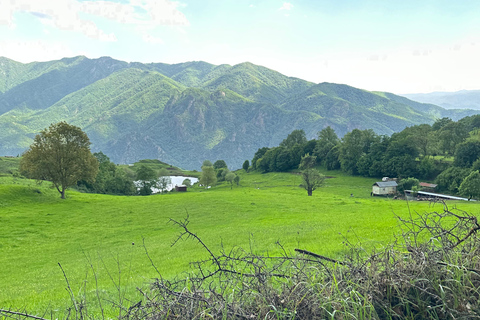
[[384, 188]]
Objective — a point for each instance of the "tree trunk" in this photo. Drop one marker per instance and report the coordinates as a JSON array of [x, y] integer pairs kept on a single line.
[[62, 194], [310, 192]]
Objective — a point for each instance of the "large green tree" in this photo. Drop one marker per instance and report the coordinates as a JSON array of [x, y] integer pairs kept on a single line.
[[351, 150], [467, 153], [470, 186], [60, 154], [451, 135], [147, 178], [294, 138], [219, 164], [245, 165], [327, 139]]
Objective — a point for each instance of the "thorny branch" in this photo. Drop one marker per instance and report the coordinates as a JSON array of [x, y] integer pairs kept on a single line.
[[402, 280], [22, 314]]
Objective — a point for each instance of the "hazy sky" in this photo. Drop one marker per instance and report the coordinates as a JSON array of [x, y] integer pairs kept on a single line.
[[401, 46]]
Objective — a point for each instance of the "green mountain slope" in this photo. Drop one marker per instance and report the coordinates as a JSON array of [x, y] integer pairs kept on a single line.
[[185, 113], [40, 85]]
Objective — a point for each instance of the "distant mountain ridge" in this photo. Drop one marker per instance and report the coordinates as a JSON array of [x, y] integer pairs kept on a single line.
[[464, 99], [188, 112]]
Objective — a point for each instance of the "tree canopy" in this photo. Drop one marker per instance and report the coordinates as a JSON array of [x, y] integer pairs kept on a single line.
[[60, 154], [208, 177]]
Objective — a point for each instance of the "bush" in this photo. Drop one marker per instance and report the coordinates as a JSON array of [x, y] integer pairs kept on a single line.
[[407, 184]]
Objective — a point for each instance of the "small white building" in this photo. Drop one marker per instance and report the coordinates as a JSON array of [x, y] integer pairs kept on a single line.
[[384, 188]]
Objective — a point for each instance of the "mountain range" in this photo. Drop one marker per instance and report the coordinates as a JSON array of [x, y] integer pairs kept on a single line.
[[188, 112], [464, 99]]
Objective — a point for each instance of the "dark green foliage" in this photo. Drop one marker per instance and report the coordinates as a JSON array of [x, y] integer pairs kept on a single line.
[[219, 164], [147, 177], [309, 147], [467, 153], [110, 179], [296, 137], [399, 160], [420, 137], [364, 164], [440, 123], [476, 165], [221, 173], [471, 123], [258, 155], [470, 186], [332, 161], [245, 165], [327, 139], [407, 184], [428, 169], [450, 136], [237, 180], [354, 145], [207, 163], [450, 179]]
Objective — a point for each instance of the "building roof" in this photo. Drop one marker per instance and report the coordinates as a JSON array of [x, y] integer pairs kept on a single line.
[[428, 185], [437, 195], [384, 184]]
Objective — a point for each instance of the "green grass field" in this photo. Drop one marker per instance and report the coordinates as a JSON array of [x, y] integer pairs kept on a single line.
[[38, 230]]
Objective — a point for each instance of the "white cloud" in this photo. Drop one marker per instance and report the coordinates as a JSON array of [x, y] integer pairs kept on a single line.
[[286, 6], [73, 15]]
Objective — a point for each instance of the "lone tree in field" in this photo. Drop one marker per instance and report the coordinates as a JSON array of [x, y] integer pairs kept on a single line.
[[60, 154], [312, 179], [209, 177]]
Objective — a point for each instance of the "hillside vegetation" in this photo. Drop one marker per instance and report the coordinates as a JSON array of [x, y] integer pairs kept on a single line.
[[187, 112]]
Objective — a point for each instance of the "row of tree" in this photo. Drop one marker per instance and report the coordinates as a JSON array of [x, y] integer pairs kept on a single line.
[[61, 154], [409, 153], [216, 172]]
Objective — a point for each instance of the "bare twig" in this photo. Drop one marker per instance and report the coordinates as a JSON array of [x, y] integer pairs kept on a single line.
[[23, 314], [69, 289]]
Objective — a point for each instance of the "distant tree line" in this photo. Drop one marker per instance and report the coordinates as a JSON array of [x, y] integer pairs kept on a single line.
[[418, 151], [217, 172]]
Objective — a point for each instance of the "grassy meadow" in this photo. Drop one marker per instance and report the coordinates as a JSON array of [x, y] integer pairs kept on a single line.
[[98, 239]]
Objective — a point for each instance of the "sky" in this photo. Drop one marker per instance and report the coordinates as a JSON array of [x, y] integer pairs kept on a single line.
[[406, 46]]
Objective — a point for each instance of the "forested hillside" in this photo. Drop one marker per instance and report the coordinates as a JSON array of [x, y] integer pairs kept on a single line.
[[185, 113]]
